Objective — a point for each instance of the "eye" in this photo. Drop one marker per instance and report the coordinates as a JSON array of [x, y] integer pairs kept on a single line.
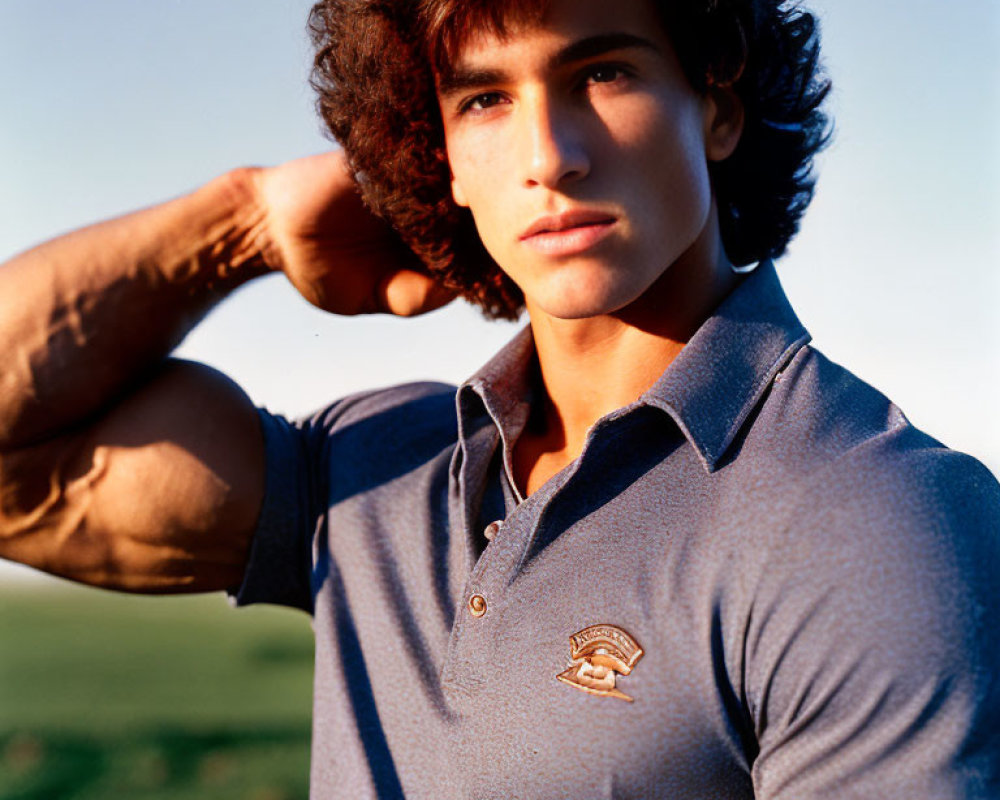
[[481, 102], [605, 73]]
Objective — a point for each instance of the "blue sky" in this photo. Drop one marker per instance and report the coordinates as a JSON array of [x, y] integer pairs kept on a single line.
[[112, 104]]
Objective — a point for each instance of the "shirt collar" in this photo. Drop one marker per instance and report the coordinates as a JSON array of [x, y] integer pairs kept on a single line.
[[709, 390], [723, 371], [503, 387]]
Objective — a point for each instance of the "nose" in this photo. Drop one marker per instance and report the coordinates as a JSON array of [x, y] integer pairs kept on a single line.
[[555, 151]]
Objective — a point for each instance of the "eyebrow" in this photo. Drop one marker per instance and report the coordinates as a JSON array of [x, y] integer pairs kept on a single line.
[[461, 79]]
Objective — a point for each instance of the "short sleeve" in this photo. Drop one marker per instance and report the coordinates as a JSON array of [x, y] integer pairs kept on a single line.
[[311, 462], [875, 652], [279, 566]]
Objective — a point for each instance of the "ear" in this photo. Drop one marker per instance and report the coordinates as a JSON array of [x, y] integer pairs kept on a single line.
[[458, 194], [723, 122]]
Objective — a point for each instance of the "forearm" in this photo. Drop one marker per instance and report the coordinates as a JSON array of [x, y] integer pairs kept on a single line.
[[118, 467], [84, 316]]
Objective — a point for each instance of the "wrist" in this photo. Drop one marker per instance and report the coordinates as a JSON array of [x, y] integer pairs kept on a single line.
[[236, 246]]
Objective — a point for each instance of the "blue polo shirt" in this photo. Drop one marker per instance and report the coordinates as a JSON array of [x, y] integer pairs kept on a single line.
[[758, 580]]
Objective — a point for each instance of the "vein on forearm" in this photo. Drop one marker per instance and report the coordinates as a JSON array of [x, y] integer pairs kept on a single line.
[[89, 314]]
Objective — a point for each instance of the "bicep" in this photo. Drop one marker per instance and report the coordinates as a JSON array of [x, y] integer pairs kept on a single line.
[[159, 494]]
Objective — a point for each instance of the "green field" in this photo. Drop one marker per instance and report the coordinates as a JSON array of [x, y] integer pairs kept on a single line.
[[111, 696]]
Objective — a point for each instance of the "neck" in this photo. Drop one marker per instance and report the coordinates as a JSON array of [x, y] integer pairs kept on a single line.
[[591, 367]]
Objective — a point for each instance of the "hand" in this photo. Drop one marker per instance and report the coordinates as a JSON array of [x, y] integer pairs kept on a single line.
[[336, 253]]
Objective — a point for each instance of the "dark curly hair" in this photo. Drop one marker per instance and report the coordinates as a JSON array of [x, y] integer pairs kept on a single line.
[[374, 74]]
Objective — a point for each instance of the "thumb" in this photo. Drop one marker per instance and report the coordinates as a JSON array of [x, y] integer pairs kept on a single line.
[[407, 293]]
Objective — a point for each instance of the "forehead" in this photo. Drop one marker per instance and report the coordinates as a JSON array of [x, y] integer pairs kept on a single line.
[[450, 24], [463, 28]]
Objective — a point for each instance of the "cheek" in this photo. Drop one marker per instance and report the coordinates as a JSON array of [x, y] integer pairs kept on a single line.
[[477, 175], [668, 167], [474, 157]]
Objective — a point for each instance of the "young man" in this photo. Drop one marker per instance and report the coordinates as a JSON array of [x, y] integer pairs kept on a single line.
[[657, 547]]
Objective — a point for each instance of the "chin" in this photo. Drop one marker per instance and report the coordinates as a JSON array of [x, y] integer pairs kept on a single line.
[[576, 304], [583, 294]]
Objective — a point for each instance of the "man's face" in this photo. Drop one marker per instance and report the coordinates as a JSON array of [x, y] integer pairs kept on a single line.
[[581, 150]]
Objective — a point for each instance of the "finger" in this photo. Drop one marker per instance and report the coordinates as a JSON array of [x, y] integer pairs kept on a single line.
[[407, 293]]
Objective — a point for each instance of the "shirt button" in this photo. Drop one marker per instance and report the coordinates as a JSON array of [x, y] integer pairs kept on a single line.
[[477, 605], [492, 530]]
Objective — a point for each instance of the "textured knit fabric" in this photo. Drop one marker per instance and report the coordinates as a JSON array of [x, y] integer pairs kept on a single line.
[[812, 582]]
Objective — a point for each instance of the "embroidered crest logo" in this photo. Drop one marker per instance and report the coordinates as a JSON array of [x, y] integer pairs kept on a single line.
[[600, 654]]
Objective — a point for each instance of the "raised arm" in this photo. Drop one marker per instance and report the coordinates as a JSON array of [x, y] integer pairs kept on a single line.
[[119, 467]]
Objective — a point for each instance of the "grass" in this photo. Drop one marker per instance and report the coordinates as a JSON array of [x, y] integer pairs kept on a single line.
[[105, 695]]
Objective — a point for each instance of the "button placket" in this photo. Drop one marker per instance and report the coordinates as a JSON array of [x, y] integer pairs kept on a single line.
[[474, 640]]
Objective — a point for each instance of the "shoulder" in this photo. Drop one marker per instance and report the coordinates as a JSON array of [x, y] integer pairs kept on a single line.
[[833, 438], [394, 410], [868, 499], [871, 655], [873, 597], [418, 419], [424, 399]]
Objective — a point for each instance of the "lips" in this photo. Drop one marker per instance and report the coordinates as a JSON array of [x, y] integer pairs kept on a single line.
[[557, 223], [568, 233]]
